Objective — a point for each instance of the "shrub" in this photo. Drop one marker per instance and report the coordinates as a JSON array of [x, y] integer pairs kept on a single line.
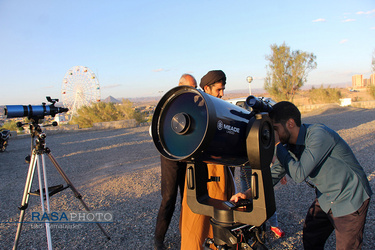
[[12, 126], [139, 117], [324, 95], [371, 90], [105, 112]]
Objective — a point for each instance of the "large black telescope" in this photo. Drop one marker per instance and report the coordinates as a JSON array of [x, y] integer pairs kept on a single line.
[[192, 126], [189, 123]]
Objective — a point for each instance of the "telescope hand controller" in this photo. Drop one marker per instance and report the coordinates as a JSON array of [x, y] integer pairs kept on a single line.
[[239, 203]]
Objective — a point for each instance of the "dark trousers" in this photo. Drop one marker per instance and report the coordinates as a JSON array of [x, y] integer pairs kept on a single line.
[[172, 177], [319, 226]]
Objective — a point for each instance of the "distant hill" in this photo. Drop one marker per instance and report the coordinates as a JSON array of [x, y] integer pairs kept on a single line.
[[111, 99], [153, 100], [229, 94]]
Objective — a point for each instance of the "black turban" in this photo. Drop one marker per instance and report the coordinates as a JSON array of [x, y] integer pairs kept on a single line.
[[212, 77]]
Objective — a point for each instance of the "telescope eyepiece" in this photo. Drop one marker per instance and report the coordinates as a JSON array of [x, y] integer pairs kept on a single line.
[[258, 105]]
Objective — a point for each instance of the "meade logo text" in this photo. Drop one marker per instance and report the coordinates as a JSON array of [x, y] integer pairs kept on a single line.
[[232, 128], [228, 128], [72, 217]]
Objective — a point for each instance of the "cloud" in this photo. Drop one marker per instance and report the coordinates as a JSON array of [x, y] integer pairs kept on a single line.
[[319, 20], [365, 12], [344, 41], [373, 28], [348, 20]]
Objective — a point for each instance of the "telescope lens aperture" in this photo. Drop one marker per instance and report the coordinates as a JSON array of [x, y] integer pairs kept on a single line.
[[183, 124]]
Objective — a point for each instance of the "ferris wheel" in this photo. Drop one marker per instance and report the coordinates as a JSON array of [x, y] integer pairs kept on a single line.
[[80, 88]]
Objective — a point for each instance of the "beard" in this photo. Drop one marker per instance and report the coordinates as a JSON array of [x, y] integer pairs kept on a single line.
[[284, 138]]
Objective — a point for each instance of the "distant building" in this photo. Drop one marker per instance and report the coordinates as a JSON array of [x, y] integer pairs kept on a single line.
[[366, 82], [357, 81]]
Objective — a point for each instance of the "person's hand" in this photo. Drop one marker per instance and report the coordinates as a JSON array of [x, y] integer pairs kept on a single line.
[[283, 180], [237, 197], [241, 196]]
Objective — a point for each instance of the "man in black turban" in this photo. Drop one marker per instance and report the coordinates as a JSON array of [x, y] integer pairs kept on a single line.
[[213, 83], [195, 228]]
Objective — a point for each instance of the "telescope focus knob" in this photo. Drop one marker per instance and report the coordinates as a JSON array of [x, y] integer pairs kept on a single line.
[[181, 123], [266, 136]]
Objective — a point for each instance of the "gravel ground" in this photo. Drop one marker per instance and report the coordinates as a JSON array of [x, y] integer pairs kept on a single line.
[[119, 171]]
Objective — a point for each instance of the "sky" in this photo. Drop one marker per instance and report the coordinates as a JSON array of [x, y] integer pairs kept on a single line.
[[141, 48]]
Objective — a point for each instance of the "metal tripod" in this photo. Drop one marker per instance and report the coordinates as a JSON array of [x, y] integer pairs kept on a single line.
[[38, 150]]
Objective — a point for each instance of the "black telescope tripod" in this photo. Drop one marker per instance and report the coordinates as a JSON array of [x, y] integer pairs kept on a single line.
[[37, 161]]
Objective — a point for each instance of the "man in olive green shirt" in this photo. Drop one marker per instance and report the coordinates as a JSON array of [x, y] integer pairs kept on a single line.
[[342, 190], [317, 153]]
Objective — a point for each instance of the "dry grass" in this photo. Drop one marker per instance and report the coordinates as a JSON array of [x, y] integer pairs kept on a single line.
[[302, 97]]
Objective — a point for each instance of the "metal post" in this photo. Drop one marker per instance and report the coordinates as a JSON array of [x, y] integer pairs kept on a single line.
[[249, 79]]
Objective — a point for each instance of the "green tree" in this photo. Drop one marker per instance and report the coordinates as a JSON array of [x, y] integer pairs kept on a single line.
[[287, 71]]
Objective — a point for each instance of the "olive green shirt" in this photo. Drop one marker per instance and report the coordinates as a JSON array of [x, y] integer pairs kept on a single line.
[[323, 157]]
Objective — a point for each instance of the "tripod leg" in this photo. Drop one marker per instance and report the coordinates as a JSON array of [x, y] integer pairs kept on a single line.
[[25, 198], [48, 229], [71, 186]]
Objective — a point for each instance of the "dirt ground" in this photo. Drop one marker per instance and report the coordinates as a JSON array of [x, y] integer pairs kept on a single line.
[[118, 171]]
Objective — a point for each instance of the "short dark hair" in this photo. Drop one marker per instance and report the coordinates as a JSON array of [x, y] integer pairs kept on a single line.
[[283, 111]]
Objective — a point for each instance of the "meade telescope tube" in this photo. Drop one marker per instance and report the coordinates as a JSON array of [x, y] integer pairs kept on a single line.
[[190, 125]]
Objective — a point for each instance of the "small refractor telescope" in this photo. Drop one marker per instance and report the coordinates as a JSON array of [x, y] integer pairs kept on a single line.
[[34, 111]]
